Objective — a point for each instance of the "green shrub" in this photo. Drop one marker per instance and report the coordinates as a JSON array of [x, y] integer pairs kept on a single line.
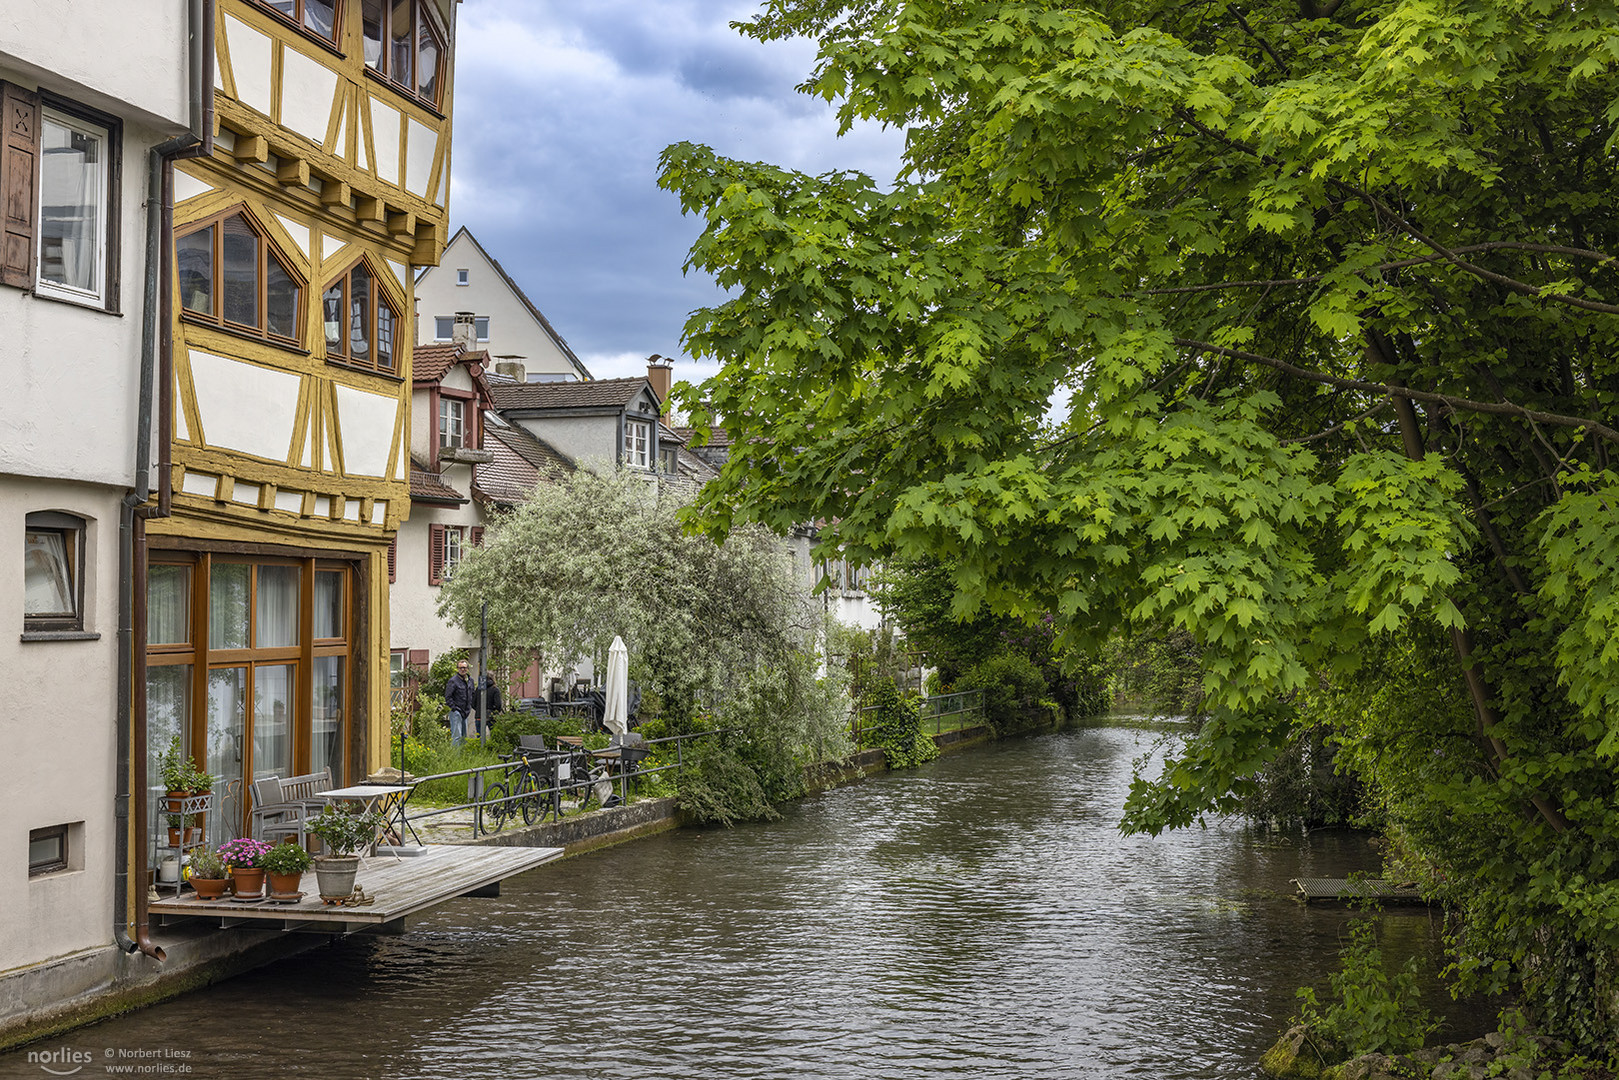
[[719, 787], [893, 722], [1011, 683], [1371, 1011], [509, 726]]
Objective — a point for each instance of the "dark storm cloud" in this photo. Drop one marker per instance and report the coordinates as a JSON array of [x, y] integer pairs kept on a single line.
[[561, 111]]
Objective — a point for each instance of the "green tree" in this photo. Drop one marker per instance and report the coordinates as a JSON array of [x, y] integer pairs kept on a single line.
[[1327, 291]]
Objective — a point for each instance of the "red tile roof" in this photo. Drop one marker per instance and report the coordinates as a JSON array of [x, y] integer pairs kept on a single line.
[[428, 487], [599, 393], [430, 362]]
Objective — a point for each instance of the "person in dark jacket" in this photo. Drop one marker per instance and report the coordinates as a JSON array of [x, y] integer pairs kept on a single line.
[[461, 699]]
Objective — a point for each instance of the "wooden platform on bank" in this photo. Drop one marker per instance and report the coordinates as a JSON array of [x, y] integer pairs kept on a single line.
[[400, 887], [1312, 889]]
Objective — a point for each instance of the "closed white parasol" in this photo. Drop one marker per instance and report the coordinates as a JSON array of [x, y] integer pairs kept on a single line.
[[616, 718]]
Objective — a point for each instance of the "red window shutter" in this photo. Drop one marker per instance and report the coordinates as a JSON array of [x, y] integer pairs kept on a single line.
[[477, 535], [393, 560], [418, 658], [435, 554], [19, 178]]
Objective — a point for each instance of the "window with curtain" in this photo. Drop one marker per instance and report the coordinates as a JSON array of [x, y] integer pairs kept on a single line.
[[404, 43], [231, 276], [73, 187], [53, 571], [319, 17], [451, 430], [359, 320], [258, 684]]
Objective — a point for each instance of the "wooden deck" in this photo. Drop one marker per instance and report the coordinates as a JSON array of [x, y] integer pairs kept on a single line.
[[1344, 889], [400, 887]]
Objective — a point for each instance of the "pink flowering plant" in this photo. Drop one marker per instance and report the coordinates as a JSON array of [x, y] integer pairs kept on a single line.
[[244, 852]]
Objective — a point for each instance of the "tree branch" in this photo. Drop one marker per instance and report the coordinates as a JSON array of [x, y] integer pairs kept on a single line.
[[1499, 408]]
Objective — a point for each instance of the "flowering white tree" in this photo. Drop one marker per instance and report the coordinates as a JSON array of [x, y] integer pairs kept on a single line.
[[598, 555]]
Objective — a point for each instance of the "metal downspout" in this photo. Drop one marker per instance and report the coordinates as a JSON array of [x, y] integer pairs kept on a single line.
[[156, 365]]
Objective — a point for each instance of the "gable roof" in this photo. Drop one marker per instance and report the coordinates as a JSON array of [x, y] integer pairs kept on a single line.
[[430, 363], [597, 394], [539, 316]]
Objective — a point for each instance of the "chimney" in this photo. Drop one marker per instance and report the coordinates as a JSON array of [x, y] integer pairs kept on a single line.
[[465, 333], [660, 372], [512, 369]]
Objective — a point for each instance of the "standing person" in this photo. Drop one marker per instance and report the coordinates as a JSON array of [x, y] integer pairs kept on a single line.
[[462, 700], [486, 704]]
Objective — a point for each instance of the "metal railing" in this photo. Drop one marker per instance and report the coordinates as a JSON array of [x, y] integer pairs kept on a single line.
[[483, 806], [932, 709]]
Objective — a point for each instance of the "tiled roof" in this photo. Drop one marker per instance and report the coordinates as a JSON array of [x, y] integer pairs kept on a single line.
[[541, 455], [600, 393], [430, 362], [521, 463], [716, 436], [427, 486]]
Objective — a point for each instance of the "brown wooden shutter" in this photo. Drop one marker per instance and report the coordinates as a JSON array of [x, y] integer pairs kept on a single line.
[[477, 535], [19, 180], [435, 554], [418, 658], [393, 560]]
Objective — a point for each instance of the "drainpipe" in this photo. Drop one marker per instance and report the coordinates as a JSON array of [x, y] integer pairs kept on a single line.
[[156, 375]]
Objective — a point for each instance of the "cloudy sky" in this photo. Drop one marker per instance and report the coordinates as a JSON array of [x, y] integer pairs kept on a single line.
[[561, 110]]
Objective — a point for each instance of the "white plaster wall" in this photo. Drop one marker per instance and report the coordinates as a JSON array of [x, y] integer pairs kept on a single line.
[[590, 440], [72, 372], [59, 739], [412, 602], [423, 426], [73, 46], [513, 329]]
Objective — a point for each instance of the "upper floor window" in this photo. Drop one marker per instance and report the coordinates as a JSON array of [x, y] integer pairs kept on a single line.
[[360, 322], [404, 43], [451, 422], [444, 327], [53, 572], [73, 200], [461, 277], [230, 275], [637, 443], [316, 16]]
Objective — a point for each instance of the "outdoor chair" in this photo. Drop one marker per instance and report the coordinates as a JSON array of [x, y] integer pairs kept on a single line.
[[305, 790], [272, 816]]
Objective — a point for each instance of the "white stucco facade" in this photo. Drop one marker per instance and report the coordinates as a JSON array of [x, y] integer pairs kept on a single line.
[[516, 331], [70, 420]]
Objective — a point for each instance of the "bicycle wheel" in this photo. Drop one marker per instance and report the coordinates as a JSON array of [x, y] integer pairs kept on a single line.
[[529, 798], [493, 811]]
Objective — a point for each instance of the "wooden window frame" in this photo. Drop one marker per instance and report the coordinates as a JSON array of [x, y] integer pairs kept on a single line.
[[645, 451], [296, 20], [380, 69], [74, 531], [268, 250], [22, 117], [344, 279], [458, 406]]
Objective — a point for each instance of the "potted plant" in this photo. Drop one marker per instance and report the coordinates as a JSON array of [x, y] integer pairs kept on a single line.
[[245, 857], [208, 875], [285, 864], [182, 780], [342, 833]]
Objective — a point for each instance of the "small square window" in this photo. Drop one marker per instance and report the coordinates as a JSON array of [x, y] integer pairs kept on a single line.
[[443, 328], [461, 277], [47, 850], [53, 573]]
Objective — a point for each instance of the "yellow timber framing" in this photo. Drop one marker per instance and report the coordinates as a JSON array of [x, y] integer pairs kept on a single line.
[[322, 205]]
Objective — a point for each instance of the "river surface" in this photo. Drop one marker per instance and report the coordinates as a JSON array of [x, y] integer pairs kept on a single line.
[[980, 917]]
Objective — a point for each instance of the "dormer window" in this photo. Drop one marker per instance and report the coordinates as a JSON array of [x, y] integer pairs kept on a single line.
[[637, 443], [451, 423], [404, 44], [360, 322], [231, 276]]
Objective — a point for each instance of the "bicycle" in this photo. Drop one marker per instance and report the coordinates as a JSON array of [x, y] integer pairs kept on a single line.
[[518, 793]]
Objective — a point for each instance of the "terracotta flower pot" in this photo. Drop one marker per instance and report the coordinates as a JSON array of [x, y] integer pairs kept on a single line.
[[209, 888], [248, 881], [174, 837], [285, 884]]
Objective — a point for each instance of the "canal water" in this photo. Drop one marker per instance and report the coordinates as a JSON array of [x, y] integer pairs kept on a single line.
[[980, 917]]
